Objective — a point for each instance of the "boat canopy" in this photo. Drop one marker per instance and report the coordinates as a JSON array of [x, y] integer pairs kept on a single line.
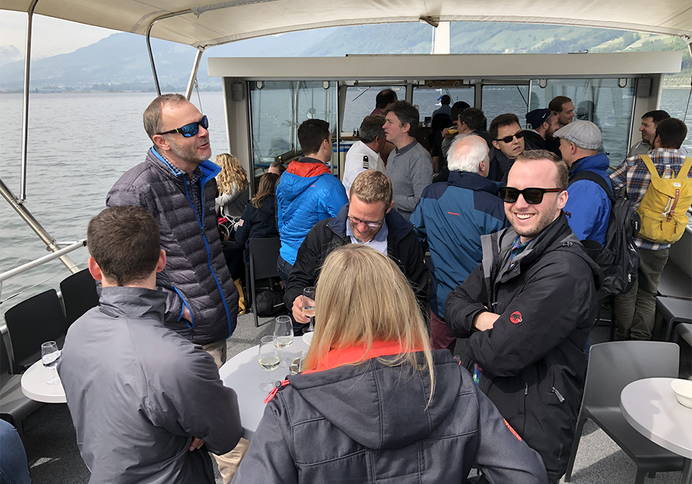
[[203, 23]]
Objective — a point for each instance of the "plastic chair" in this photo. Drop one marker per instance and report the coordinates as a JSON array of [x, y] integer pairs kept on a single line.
[[31, 322], [684, 339], [14, 406], [262, 256], [673, 311], [611, 367], [78, 295]]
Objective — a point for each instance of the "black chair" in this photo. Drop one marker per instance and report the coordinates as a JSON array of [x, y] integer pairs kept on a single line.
[[684, 339], [673, 311], [262, 256], [78, 295], [611, 367], [14, 406], [32, 322]]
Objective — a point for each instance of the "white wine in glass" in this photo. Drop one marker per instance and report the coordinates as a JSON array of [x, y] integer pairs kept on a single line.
[[283, 331], [268, 355], [309, 306]]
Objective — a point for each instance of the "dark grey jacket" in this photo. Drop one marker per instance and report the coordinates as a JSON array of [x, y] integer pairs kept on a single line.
[[196, 274], [369, 423], [138, 393]]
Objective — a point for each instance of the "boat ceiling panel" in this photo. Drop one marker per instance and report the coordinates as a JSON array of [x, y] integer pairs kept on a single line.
[[208, 23]]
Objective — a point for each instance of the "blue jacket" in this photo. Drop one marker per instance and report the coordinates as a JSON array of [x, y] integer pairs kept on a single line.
[[307, 193], [452, 216], [588, 205]]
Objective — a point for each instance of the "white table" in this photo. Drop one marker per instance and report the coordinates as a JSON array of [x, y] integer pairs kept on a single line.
[[252, 383], [36, 387], [650, 406]]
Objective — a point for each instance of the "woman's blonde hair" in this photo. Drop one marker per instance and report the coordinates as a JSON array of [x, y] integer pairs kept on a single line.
[[232, 177], [363, 297]]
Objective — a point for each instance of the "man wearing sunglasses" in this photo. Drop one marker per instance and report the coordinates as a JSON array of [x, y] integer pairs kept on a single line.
[[525, 313], [508, 143], [367, 219]]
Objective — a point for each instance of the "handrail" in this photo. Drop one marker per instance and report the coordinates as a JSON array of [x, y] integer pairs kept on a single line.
[[25, 109], [42, 260]]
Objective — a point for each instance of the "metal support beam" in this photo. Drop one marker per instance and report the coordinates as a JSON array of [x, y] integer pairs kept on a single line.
[[193, 73], [42, 260], [148, 41], [25, 112], [45, 237]]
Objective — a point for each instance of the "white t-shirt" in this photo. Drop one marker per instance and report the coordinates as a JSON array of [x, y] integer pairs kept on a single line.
[[354, 163]]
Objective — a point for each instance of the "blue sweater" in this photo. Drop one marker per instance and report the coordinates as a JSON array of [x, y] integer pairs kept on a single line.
[[588, 205], [452, 216]]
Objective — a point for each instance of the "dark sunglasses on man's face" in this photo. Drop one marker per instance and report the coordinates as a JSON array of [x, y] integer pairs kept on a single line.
[[190, 129], [508, 139], [533, 196]]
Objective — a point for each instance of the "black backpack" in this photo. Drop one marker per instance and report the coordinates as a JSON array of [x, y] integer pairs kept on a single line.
[[618, 259]]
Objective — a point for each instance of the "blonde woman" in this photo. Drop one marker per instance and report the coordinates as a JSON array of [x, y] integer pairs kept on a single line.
[[233, 187], [375, 403]]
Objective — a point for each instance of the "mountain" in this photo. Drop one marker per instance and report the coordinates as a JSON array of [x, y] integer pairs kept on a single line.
[[120, 62]]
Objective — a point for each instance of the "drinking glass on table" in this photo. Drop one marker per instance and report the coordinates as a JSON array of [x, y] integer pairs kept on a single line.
[[50, 354], [268, 357], [296, 364], [309, 305], [283, 331]]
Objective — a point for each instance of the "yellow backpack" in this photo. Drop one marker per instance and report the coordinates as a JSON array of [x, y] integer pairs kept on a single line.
[[663, 210]]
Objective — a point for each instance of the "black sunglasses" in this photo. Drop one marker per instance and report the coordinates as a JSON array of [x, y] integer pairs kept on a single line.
[[533, 196], [190, 129], [508, 139]]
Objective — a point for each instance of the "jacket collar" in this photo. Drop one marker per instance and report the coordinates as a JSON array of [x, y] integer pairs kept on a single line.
[[357, 353], [597, 162], [308, 167], [397, 225], [472, 181], [135, 302], [207, 168]]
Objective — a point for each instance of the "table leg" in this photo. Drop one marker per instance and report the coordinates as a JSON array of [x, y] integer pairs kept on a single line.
[[687, 472]]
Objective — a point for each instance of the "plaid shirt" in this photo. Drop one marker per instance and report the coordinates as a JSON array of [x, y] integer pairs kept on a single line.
[[633, 174]]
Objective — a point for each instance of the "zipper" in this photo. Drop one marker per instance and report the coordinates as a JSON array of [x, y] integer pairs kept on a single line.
[[558, 394]]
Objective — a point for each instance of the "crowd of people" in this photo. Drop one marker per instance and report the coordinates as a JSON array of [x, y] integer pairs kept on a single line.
[[454, 298]]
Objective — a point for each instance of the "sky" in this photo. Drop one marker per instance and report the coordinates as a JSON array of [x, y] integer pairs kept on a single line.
[[50, 36]]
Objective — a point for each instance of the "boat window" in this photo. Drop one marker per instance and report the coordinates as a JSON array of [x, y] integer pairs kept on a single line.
[[428, 99], [360, 101], [505, 98], [602, 101], [278, 108]]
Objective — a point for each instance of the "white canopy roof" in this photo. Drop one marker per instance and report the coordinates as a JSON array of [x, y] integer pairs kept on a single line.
[[208, 23]]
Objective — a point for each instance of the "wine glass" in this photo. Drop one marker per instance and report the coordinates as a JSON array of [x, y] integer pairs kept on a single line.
[[50, 354], [309, 305], [295, 366], [283, 331], [268, 357]]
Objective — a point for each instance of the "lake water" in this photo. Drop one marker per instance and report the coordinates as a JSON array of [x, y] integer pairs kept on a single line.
[[79, 145]]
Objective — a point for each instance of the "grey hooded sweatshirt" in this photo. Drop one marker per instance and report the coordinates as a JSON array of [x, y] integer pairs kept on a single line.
[[369, 423], [138, 393]]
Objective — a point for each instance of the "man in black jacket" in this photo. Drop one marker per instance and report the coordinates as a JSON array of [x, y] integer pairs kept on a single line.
[[368, 219], [525, 313]]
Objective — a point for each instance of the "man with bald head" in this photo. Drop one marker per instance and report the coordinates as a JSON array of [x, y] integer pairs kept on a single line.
[[451, 217], [525, 313]]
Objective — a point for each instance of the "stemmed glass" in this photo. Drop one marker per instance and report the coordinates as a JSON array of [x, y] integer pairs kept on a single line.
[[268, 357], [50, 354], [309, 305], [283, 331]]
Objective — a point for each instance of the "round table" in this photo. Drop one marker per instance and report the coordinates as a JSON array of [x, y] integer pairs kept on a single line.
[[252, 383], [650, 406], [36, 387]]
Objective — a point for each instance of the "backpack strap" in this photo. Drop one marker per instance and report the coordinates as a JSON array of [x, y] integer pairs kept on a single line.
[[597, 179], [685, 169], [653, 172]]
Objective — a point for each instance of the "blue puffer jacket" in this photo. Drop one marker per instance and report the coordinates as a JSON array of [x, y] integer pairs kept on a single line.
[[588, 205], [452, 216], [307, 193]]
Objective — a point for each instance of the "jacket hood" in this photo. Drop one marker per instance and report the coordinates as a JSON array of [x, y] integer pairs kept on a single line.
[[598, 163], [379, 406], [397, 225], [301, 175]]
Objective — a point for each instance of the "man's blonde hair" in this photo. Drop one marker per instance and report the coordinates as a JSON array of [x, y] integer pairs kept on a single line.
[[362, 297], [372, 186]]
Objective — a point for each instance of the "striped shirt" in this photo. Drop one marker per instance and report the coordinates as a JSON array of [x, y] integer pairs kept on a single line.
[[633, 174]]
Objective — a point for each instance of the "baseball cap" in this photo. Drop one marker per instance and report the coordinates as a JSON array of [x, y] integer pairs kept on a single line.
[[537, 117], [584, 134]]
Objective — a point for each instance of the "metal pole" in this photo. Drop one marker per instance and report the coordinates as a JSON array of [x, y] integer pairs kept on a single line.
[[45, 237], [193, 73], [25, 113], [42, 260], [151, 59]]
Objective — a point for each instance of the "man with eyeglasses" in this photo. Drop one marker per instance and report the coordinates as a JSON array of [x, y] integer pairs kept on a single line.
[[525, 313], [508, 143], [367, 219], [176, 185]]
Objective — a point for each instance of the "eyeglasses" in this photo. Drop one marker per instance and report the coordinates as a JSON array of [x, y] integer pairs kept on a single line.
[[370, 224], [508, 139], [533, 196], [190, 129]]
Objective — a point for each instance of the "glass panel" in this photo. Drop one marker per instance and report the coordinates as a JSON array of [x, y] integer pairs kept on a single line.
[[278, 108], [360, 101], [428, 99], [676, 101], [599, 100], [500, 99]]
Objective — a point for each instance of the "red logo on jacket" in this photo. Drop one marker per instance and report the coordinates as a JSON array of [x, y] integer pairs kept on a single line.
[[515, 317]]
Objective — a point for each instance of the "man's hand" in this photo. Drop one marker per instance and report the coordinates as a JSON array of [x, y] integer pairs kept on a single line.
[[186, 313], [297, 309], [485, 320], [196, 444]]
